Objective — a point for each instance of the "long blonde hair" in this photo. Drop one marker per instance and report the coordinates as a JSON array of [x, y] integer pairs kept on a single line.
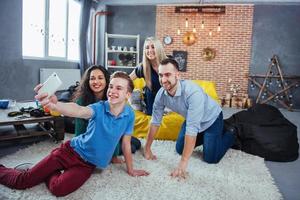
[[159, 54]]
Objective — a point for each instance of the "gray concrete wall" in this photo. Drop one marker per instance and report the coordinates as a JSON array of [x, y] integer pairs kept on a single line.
[[132, 20], [18, 76], [276, 31]]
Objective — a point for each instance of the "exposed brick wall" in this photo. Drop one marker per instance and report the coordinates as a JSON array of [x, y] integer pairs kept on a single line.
[[232, 44]]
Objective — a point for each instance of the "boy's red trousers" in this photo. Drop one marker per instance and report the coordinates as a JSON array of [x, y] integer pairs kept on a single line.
[[63, 170]]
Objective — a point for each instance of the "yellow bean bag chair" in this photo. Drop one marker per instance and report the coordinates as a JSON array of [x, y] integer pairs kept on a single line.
[[171, 123]]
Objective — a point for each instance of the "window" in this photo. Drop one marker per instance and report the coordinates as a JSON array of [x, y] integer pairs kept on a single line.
[[51, 29]]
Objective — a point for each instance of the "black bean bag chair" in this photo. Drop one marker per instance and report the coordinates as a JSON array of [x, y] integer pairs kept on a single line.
[[262, 130]]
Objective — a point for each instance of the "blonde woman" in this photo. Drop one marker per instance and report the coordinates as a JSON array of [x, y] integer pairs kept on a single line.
[[153, 54]]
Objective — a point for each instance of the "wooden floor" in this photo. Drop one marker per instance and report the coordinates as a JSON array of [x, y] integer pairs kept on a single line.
[[287, 174]]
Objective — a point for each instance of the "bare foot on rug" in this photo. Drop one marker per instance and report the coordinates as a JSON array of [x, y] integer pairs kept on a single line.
[[116, 160]]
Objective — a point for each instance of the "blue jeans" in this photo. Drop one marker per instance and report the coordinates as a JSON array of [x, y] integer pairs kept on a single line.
[[215, 141]]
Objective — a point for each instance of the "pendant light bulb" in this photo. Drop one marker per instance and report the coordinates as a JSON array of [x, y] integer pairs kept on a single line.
[[194, 29], [186, 22], [219, 28], [202, 24]]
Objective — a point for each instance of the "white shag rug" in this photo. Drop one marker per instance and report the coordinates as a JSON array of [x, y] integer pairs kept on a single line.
[[237, 176]]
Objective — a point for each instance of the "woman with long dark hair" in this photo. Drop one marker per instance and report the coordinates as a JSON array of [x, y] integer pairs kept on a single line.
[[93, 87]]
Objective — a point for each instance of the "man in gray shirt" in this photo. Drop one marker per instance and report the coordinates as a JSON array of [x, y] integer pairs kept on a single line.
[[203, 119]]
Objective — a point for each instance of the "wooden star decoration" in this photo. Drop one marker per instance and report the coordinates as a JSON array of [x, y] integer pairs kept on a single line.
[[266, 94]]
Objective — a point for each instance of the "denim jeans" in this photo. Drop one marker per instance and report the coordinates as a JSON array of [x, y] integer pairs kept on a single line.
[[215, 141], [135, 145]]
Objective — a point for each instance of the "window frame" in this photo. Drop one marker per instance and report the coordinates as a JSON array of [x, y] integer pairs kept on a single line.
[[46, 37]]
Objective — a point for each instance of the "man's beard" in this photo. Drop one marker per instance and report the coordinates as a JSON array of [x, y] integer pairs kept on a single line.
[[171, 86]]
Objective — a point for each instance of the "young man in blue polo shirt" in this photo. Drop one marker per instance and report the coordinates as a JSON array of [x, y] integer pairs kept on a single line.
[[108, 122], [203, 118]]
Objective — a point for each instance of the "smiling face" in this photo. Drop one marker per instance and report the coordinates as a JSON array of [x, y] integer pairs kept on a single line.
[[97, 81], [150, 50], [168, 77], [117, 92]]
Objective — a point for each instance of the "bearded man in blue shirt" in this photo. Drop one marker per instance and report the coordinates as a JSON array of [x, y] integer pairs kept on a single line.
[[203, 119]]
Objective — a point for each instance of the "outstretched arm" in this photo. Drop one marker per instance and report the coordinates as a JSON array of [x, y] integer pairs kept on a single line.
[[126, 147], [150, 137], [67, 109], [189, 145]]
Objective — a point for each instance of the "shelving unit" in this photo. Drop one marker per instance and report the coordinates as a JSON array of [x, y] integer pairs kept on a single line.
[[121, 51]]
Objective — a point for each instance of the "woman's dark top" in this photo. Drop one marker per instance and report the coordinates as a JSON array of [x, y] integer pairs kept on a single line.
[[149, 94]]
